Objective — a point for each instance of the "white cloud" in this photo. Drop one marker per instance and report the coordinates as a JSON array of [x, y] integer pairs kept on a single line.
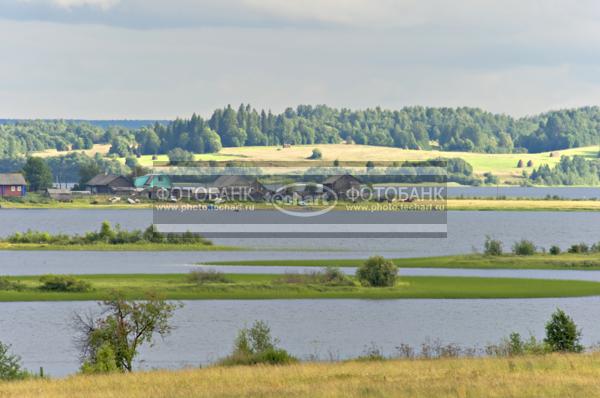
[[70, 4]]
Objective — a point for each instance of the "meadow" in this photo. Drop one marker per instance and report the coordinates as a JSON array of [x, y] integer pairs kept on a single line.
[[266, 286], [564, 261], [555, 375], [501, 165]]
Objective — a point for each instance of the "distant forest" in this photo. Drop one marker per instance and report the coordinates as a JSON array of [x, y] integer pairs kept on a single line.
[[452, 129]]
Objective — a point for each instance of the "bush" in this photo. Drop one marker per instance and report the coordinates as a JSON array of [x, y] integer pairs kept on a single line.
[[492, 247], [7, 284], [316, 154], [10, 365], [103, 362], [201, 276], [64, 283], [562, 334], [579, 248], [330, 276], [514, 345], [524, 248], [255, 345], [554, 250], [377, 272]]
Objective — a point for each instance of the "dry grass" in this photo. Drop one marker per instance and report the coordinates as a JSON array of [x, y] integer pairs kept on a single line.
[[528, 205], [546, 376], [97, 148]]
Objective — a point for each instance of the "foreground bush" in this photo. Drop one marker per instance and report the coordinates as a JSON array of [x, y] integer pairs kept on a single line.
[[201, 277], [64, 283], [10, 365], [377, 272], [524, 247], [255, 345]]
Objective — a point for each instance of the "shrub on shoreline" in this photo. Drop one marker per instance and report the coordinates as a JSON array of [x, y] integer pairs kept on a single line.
[[524, 247], [202, 276], [377, 272], [330, 276], [64, 283], [492, 247]]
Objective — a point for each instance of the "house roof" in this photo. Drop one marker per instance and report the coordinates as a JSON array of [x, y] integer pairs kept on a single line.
[[333, 179], [103, 179], [12, 179]]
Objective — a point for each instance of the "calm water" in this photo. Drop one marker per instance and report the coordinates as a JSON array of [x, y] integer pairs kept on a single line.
[[329, 329], [466, 232], [525, 192]]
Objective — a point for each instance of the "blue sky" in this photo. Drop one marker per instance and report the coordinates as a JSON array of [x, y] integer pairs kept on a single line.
[[162, 59]]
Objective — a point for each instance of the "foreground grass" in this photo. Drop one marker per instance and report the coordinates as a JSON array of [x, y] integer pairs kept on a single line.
[[566, 261], [244, 286], [522, 205], [525, 377]]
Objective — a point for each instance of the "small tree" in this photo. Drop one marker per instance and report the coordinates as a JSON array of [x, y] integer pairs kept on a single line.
[[492, 247], [316, 154], [562, 334], [120, 331], [377, 272], [530, 163], [37, 174], [524, 247], [489, 178], [180, 155], [10, 365], [554, 250], [336, 163]]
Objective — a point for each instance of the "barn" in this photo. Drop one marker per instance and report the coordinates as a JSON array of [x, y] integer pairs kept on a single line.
[[109, 184], [341, 184], [12, 184]]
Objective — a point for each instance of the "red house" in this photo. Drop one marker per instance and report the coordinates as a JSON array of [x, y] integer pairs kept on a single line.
[[12, 184]]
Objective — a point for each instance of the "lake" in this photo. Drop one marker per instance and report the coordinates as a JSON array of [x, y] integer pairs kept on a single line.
[[42, 333], [466, 232]]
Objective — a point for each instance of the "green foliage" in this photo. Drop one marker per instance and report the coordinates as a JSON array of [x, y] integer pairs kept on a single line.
[[554, 250], [37, 174], [330, 276], [579, 248], [64, 283], [492, 247], [316, 154], [562, 334], [104, 361], [10, 365], [377, 272], [8, 284], [120, 332], [574, 170], [108, 235], [201, 277], [255, 345], [489, 178], [178, 155], [524, 247], [514, 345]]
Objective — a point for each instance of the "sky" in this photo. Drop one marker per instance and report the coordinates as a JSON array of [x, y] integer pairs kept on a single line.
[[150, 59]]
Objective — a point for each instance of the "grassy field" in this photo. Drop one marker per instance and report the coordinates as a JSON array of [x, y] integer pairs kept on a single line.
[[552, 376], [243, 286], [473, 261], [502, 165]]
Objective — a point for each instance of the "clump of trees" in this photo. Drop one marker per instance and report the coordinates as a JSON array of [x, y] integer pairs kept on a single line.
[[255, 345], [37, 174], [574, 170], [111, 341], [377, 272]]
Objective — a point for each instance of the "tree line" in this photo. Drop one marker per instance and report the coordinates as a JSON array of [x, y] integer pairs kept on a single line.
[[450, 129]]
